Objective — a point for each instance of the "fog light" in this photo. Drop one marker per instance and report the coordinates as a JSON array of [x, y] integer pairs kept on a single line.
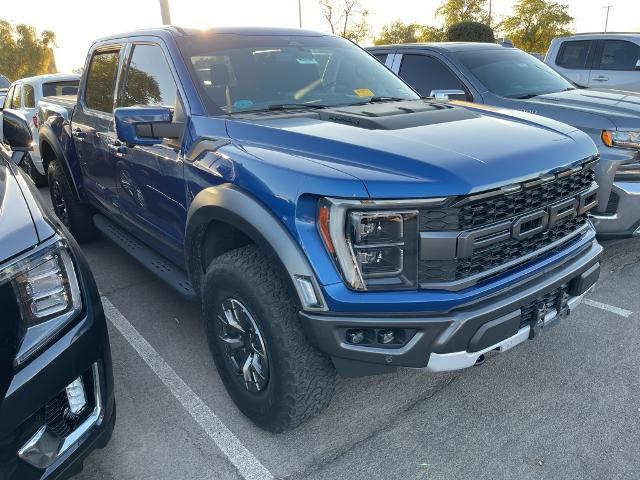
[[386, 336], [355, 336], [76, 396]]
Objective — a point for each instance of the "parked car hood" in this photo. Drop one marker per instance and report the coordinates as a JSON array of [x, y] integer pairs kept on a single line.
[[620, 108], [22, 224], [459, 150]]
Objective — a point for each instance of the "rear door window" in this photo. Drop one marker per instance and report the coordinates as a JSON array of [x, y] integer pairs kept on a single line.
[[101, 80], [29, 96], [15, 99], [574, 54], [618, 55], [426, 73], [149, 78]]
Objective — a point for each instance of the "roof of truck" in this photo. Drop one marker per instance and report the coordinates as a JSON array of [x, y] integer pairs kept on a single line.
[[445, 46], [181, 31]]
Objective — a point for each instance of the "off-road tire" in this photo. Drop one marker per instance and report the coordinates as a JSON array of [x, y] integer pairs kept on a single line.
[[77, 216], [301, 378]]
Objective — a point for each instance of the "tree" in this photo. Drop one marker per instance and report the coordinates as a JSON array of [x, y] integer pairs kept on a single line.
[[432, 34], [470, 32], [24, 52], [535, 23], [346, 18], [398, 32], [456, 11]]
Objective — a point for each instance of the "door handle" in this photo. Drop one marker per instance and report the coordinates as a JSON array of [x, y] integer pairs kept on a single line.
[[600, 79], [117, 148], [78, 133]]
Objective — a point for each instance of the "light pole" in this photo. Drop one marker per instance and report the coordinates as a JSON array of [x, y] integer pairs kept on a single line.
[[300, 13], [606, 22], [489, 13], [164, 11]]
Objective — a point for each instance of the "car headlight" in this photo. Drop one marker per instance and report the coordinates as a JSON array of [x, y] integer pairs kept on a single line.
[[373, 248], [48, 296], [621, 138]]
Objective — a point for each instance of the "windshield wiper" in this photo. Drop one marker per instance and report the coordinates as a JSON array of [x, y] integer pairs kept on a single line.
[[286, 106], [525, 97], [379, 99]]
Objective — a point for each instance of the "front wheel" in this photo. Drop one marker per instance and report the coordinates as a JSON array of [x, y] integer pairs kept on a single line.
[[272, 373], [75, 215]]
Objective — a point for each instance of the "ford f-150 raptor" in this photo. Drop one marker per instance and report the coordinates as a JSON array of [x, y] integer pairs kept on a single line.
[[327, 217]]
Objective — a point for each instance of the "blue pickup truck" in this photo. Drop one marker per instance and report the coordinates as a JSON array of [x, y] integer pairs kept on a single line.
[[327, 217]]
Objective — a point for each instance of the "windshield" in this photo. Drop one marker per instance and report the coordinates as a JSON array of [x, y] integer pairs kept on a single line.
[[240, 73], [512, 73]]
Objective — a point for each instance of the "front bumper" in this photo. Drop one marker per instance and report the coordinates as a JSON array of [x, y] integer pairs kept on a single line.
[[624, 219], [457, 338], [618, 210], [81, 351]]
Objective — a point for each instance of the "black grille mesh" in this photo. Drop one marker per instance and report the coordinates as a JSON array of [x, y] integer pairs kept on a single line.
[[434, 271], [57, 415], [483, 212]]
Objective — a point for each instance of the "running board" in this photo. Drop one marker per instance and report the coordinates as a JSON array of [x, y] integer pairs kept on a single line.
[[165, 270]]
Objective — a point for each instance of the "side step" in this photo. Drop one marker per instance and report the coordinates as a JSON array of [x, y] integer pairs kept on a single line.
[[167, 271]]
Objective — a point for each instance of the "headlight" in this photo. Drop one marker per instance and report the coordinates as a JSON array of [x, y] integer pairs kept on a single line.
[[373, 248], [47, 293], [621, 138]]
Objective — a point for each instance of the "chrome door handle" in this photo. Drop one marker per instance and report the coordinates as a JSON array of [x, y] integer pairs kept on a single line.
[[600, 79]]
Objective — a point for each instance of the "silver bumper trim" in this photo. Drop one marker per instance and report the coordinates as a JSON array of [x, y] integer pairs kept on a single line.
[[446, 362], [30, 452]]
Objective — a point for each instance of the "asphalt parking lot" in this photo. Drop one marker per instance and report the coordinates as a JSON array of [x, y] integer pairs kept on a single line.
[[564, 406]]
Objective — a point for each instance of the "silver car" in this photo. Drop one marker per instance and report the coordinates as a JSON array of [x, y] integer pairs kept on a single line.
[[598, 60], [24, 95], [510, 78]]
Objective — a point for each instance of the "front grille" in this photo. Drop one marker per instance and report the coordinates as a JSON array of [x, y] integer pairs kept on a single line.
[[435, 271], [56, 412], [550, 301], [484, 210]]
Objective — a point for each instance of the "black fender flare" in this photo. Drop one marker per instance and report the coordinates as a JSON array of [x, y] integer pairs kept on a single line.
[[48, 136], [227, 204]]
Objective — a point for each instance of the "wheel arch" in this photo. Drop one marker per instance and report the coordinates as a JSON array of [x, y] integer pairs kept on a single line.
[[50, 149], [226, 207]]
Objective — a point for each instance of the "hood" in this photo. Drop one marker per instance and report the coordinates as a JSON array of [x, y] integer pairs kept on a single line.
[[18, 232], [620, 108], [421, 149]]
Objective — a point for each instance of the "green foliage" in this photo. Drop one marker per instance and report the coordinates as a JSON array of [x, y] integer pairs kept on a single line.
[[470, 32], [24, 52], [535, 23], [456, 11], [398, 32]]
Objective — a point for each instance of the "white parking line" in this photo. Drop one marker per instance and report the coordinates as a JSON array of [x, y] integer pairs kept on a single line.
[[609, 308], [247, 464]]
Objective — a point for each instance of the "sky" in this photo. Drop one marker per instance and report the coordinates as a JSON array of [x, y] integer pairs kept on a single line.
[[77, 23]]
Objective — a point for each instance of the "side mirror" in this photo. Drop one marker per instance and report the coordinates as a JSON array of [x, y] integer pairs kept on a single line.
[[447, 94], [16, 131], [145, 125]]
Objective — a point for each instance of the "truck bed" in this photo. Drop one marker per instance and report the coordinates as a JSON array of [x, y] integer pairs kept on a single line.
[[56, 105]]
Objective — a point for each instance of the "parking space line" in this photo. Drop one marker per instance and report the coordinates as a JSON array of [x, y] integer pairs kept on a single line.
[[609, 308], [249, 467]]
